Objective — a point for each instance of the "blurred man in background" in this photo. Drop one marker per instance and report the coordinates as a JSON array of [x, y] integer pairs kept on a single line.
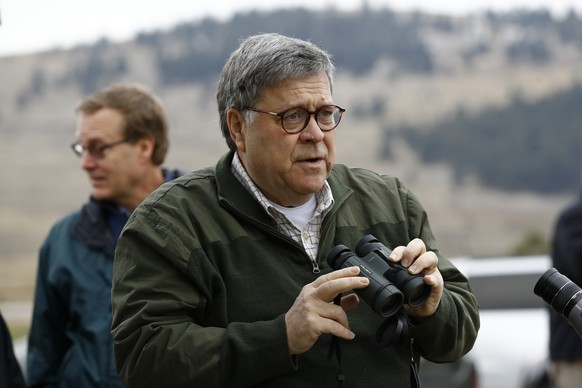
[[565, 343], [122, 140]]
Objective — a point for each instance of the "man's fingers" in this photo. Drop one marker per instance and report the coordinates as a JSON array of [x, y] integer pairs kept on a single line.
[[328, 286], [311, 317], [414, 249], [428, 260], [330, 289], [406, 255], [339, 330], [349, 301], [340, 273]]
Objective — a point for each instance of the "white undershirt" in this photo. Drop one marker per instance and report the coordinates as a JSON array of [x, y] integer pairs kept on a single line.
[[299, 215]]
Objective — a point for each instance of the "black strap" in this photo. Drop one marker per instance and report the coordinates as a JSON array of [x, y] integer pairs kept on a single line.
[[414, 378], [334, 347], [393, 331]]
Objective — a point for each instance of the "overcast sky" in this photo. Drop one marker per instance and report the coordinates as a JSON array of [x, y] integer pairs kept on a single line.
[[35, 25]]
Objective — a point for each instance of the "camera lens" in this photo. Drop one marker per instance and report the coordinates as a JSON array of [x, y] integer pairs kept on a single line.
[[558, 291]]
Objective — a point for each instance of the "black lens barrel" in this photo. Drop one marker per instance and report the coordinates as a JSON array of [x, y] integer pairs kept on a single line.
[[558, 291]]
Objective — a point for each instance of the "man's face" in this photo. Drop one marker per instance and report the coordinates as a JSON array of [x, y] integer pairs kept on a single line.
[[288, 168], [116, 174]]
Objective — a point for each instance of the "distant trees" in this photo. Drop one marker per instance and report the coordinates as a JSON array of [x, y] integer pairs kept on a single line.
[[570, 29], [526, 146], [534, 51], [37, 87], [356, 41], [92, 67], [195, 52]]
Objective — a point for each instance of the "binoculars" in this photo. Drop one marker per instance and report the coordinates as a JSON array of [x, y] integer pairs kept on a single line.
[[391, 285]]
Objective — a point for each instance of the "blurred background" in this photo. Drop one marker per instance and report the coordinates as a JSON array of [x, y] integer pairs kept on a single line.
[[476, 107]]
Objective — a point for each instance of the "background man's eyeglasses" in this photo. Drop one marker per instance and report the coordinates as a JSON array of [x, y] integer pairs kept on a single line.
[[96, 151], [295, 120]]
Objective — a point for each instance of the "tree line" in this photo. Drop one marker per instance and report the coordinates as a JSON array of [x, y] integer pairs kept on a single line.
[[526, 146]]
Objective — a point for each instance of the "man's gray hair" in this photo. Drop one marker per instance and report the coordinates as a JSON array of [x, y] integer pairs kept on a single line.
[[264, 61]]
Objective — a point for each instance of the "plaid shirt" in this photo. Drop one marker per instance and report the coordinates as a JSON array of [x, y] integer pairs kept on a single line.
[[309, 236]]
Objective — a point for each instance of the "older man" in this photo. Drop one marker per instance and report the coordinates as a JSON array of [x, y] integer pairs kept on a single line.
[[221, 278]]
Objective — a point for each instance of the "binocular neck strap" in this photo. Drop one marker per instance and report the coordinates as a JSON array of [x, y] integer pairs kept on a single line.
[[398, 334], [395, 331], [334, 347], [414, 378]]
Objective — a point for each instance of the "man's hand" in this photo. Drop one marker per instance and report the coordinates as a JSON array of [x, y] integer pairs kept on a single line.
[[419, 261], [313, 314]]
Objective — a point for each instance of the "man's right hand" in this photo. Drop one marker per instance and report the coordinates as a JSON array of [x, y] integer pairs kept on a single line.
[[313, 314]]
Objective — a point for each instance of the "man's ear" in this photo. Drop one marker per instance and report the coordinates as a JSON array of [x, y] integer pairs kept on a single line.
[[236, 127], [146, 147]]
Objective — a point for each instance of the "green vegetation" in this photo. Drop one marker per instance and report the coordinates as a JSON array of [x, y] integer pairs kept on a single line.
[[533, 243], [523, 147]]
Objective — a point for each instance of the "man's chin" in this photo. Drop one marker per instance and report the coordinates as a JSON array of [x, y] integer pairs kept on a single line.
[[101, 195]]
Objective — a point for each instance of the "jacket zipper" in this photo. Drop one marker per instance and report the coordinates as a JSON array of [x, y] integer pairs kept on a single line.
[[316, 269]]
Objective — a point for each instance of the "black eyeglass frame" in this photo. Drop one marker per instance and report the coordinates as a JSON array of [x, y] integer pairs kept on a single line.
[[97, 152], [281, 115]]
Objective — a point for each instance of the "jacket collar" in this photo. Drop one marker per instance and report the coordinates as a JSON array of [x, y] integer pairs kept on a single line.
[[91, 227]]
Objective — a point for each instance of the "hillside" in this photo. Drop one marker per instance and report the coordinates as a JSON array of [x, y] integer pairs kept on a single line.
[[473, 63]]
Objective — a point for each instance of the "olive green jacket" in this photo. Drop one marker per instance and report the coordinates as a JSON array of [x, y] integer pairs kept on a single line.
[[203, 278]]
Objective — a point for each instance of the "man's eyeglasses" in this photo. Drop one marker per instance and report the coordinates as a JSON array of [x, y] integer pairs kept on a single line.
[[96, 151], [295, 120]]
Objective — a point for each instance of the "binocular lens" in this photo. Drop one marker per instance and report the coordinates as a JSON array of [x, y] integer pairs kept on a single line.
[[389, 301], [415, 291]]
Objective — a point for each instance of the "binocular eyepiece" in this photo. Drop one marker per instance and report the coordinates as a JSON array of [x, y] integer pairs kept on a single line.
[[391, 285]]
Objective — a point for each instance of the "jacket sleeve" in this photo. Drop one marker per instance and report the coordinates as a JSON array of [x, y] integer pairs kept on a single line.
[[47, 342], [162, 298], [451, 332]]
